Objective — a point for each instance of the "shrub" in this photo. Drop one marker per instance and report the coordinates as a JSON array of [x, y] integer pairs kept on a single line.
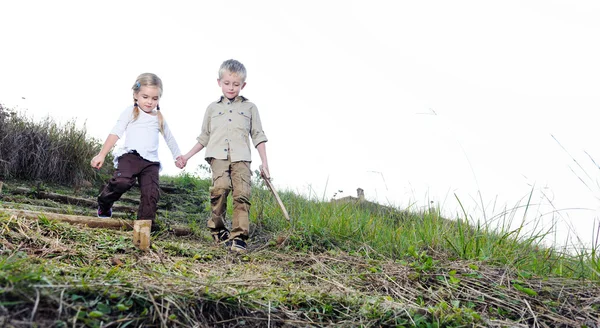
[[47, 151]]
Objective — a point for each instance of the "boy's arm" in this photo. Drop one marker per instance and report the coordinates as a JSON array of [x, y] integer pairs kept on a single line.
[[203, 138], [110, 142], [262, 152], [256, 131], [197, 147], [259, 139]]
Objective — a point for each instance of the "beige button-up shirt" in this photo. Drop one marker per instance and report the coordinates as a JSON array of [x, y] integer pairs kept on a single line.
[[226, 129]]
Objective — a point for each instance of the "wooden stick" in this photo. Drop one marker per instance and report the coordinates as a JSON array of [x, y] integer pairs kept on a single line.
[[272, 188]]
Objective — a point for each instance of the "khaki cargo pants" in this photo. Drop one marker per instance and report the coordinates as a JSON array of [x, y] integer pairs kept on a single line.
[[228, 176]]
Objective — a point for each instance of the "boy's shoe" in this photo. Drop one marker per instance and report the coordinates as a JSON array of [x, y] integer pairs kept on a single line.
[[104, 214], [221, 236], [238, 245]]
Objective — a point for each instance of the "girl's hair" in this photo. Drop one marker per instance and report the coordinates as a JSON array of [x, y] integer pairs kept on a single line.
[[234, 67], [149, 80]]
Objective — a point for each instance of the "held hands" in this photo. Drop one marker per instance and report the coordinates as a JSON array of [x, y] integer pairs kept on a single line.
[[97, 161], [181, 162]]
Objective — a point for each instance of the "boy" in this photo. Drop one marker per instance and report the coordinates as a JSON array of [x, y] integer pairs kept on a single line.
[[228, 123]]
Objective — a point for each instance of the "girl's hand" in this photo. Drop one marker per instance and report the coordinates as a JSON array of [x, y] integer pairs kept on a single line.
[[97, 161], [181, 162]]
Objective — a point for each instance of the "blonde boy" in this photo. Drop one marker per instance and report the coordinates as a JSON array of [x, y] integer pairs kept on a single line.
[[227, 128]]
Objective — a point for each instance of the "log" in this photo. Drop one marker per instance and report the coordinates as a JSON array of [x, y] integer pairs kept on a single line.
[[57, 197], [171, 189], [65, 199], [58, 210], [90, 221]]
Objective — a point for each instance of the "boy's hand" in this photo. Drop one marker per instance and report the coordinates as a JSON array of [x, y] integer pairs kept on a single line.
[[97, 161], [264, 171]]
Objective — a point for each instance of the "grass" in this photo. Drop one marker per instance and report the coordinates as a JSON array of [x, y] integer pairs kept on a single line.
[[55, 274], [322, 225], [349, 264]]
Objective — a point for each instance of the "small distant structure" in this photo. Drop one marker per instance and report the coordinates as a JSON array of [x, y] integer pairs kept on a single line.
[[360, 197], [361, 194], [360, 201]]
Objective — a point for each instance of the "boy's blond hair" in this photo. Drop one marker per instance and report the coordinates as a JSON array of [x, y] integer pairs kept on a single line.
[[234, 67]]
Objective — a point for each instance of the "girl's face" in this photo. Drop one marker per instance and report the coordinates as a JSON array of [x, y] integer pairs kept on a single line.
[[231, 85], [147, 98]]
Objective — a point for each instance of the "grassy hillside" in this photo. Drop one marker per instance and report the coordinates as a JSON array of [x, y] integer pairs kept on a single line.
[[337, 264], [347, 264]]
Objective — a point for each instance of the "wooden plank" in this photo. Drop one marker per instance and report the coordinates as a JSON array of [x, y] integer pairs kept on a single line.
[[92, 222], [141, 234]]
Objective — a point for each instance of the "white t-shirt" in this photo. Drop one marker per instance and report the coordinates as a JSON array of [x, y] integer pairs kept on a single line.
[[141, 135]]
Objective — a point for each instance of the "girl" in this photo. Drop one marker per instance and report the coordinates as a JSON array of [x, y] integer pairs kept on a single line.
[[137, 158]]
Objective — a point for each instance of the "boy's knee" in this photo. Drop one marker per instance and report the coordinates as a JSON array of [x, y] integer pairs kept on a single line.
[[242, 198], [217, 193]]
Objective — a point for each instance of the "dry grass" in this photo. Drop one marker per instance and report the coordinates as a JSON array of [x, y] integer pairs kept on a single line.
[[46, 151], [55, 274]]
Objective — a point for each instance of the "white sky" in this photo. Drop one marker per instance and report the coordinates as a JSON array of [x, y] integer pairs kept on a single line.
[[412, 101]]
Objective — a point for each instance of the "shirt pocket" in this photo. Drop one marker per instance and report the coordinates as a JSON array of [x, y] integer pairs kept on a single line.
[[243, 120], [217, 118]]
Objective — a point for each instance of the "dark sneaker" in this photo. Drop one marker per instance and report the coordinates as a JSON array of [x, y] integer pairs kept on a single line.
[[221, 237], [104, 214], [238, 245]]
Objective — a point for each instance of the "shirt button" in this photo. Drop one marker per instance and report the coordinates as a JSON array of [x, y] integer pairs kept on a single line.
[[230, 111], [229, 120], [226, 139], [224, 149]]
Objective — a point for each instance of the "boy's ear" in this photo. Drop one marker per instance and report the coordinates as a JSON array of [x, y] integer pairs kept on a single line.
[[243, 85], [219, 82]]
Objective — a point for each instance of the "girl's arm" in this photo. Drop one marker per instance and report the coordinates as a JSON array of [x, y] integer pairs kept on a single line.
[[170, 140], [110, 142], [262, 152]]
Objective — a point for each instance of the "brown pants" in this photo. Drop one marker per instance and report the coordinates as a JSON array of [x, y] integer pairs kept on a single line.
[[225, 177], [131, 167]]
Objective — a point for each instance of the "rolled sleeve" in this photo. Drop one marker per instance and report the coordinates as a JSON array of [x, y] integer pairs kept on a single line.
[[204, 136], [256, 132]]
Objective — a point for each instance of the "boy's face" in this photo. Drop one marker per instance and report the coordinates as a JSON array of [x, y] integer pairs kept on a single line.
[[231, 84]]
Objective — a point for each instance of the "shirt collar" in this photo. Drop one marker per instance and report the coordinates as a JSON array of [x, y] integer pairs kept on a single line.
[[240, 98]]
